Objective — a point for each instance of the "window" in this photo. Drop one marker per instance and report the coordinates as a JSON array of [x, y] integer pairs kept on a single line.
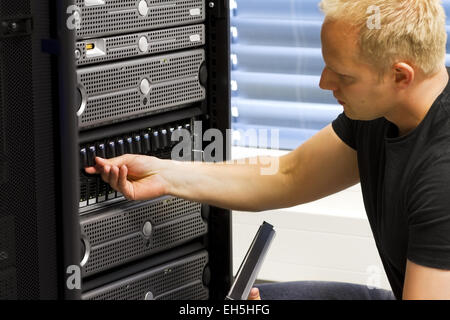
[[276, 67]]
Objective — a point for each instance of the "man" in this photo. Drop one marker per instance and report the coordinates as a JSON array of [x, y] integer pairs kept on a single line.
[[393, 138]]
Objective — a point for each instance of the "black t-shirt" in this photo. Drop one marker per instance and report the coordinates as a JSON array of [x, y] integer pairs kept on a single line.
[[405, 184]]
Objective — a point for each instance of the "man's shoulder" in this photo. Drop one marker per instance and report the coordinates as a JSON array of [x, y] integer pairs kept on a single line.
[[429, 182], [434, 166], [358, 133]]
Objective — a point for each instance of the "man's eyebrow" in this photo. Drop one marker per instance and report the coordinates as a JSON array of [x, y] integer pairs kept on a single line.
[[340, 73], [333, 69]]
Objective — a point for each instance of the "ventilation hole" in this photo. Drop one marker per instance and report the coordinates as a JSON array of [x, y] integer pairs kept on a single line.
[[113, 90], [118, 238], [181, 280], [123, 17]]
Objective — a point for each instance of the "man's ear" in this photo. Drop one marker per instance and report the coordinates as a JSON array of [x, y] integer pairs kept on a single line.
[[404, 74]]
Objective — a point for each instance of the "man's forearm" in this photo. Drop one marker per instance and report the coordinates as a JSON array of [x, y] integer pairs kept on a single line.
[[321, 166], [243, 186]]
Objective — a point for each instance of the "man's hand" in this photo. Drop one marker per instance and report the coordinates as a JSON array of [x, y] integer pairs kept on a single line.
[[321, 166], [254, 294], [135, 176]]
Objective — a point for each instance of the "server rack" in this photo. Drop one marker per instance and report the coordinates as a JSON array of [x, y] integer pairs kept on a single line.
[[123, 76]]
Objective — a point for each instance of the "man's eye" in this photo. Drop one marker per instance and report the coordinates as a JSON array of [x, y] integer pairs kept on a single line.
[[345, 78]]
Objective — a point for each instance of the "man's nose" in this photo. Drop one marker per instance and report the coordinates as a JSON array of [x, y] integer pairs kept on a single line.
[[326, 81]]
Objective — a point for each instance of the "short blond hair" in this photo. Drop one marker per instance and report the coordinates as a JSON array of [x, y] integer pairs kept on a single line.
[[410, 30]]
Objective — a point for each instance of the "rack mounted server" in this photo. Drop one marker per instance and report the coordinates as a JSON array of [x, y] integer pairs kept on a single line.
[[156, 62], [107, 78]]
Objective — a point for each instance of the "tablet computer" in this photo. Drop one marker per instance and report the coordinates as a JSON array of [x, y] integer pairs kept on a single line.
[[251, 264]]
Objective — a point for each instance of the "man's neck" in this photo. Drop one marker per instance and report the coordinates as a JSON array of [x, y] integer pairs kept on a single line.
[[411, 114]]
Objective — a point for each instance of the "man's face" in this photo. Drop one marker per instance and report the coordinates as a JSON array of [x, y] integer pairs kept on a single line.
[[355, 84]]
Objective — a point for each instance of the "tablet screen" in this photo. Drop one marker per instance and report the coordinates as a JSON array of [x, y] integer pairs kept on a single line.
[[251, 264]]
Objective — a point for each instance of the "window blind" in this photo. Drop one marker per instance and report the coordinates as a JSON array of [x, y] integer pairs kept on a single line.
[[276, 66]]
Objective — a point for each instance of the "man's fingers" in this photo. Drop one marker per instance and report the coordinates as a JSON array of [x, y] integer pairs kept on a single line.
[[123, 182], [104, 172], [117, 161], [114, 172], [92, 170], [101, 162], [114, 178], [254, 294]]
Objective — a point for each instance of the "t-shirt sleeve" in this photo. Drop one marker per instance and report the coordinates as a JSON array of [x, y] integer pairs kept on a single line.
[[429, 216], [345, 130]]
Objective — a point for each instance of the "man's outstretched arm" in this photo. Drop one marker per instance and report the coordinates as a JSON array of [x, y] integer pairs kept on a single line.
[[424, 283], [321, 166]]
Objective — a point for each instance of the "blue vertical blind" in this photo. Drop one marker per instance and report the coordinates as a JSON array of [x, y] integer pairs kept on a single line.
[[276, 66]]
